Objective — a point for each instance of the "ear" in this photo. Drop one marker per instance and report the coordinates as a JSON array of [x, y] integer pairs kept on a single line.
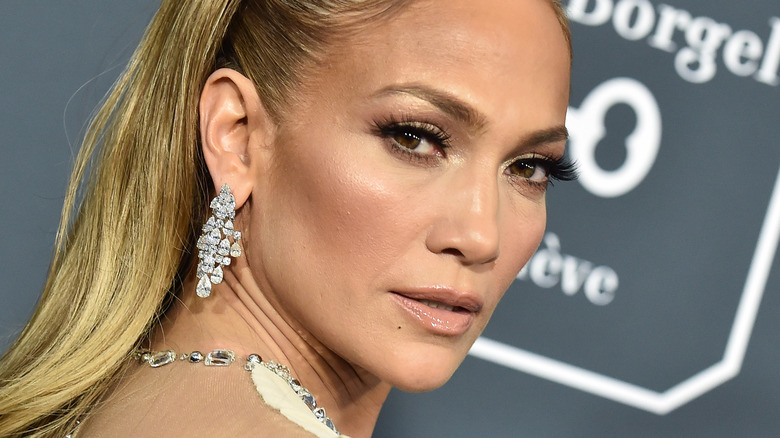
[[231, 114]]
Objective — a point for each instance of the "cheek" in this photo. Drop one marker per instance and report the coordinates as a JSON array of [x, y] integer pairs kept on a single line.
[[333, 212], [342, 219]]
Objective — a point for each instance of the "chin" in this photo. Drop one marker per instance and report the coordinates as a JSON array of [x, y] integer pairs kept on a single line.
[[424, 371], [426, 383]]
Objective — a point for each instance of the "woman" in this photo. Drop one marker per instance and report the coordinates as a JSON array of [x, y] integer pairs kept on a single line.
[[384, 164]]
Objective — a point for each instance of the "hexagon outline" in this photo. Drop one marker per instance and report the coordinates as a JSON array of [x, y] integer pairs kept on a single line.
[[661, 403]]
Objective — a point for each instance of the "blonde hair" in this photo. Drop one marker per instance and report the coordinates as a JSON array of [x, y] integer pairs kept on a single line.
[[120, 262]]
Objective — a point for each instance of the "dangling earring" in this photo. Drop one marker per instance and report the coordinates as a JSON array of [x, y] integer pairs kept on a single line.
[[214, 248]]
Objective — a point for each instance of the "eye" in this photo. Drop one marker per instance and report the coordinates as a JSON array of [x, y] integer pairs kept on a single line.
[[413, 142], [532, 169], [541, 170]]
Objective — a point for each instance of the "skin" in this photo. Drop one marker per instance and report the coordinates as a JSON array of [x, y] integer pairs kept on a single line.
[[335, 219]]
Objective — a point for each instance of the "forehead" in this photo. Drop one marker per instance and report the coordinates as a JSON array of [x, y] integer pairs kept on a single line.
[[493, 26], [491, 53]]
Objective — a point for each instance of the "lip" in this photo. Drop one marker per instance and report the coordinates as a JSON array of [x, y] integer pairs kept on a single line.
[[441, 321]]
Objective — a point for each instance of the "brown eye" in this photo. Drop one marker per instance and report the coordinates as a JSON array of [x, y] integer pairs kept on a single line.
[[414, 142], [408, 140], [528, 169], [416, 138]]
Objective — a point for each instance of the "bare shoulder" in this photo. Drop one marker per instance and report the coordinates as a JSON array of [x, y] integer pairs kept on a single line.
[[186, 401]]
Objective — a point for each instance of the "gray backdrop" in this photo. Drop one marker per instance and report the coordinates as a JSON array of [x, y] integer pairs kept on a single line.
[[652, 306]]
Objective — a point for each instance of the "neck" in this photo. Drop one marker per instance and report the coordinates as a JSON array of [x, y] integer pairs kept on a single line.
[[238, 317]]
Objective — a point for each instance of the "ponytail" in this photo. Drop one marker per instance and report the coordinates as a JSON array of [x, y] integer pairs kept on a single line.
[[127, 249]]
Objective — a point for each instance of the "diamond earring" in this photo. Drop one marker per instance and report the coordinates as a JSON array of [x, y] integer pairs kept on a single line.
[[214, 248]]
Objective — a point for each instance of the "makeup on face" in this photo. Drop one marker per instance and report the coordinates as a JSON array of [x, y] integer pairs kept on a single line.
[[408, 187], [440, 309]]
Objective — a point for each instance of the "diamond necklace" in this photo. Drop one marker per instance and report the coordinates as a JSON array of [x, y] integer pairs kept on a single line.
[[223, 358]]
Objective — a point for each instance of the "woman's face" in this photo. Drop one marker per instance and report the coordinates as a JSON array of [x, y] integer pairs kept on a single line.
[[407, 187]]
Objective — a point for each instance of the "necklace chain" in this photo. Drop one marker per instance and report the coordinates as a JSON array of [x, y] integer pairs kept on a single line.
[[223, 358]]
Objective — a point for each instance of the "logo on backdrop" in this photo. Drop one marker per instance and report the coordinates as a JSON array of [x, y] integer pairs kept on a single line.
[[586, 126], [744, 52], [709, 45], [549, 267]]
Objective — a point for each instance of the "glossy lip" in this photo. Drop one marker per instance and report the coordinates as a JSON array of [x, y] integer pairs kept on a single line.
[[440, 321]]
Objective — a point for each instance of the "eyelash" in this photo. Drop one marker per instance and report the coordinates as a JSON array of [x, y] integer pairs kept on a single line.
[[389, 128], [556, 169]]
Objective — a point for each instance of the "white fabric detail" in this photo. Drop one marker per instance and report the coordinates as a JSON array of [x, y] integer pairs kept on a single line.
[[278, 394]]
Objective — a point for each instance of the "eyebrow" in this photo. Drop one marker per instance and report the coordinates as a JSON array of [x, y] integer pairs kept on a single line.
[[442, 100], [545, 136], [461, 111]]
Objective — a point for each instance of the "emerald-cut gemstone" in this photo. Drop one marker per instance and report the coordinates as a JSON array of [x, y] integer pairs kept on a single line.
[[161, 358], [219, 358]]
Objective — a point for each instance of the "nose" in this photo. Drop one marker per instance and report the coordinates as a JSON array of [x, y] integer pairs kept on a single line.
[[466, 225]]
